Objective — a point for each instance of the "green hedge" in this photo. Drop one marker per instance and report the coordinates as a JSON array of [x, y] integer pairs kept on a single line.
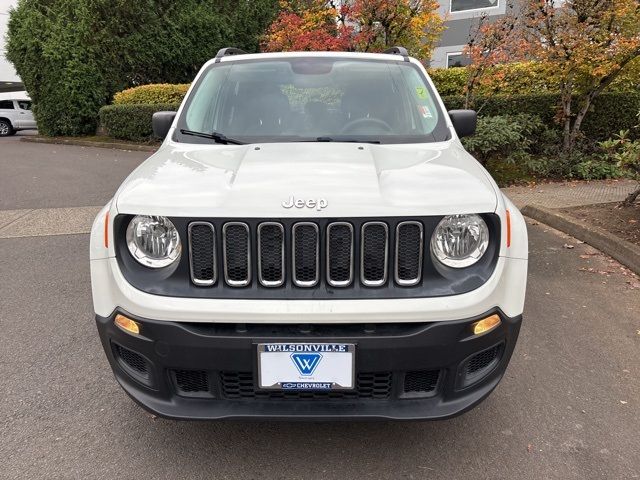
[[130, 121], [610, 112]]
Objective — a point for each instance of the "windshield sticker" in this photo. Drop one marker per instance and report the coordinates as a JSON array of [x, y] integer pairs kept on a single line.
[[424, 111], [421, 92]]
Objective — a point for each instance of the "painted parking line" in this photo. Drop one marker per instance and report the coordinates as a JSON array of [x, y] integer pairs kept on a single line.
[[46, 221]]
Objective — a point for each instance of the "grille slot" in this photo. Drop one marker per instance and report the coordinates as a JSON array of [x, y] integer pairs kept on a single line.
[[191, 382], [237, 246], [339, 254], [241, 385], [306, 254], [202, 253], [374, 253], [420, 383], [132, 362], [483, 361], [271, 254], [409, 252]]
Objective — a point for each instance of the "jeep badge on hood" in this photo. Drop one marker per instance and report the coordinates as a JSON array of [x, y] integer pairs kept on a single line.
[[318, 204]]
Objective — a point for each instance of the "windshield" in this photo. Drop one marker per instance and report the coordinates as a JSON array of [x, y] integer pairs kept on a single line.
[[313, 99]]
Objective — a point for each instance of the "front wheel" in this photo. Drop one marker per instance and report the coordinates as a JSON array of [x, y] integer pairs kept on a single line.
[[6, 129]]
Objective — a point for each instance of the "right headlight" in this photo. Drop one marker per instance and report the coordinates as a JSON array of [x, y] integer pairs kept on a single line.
[[460, 240], [153, 241]]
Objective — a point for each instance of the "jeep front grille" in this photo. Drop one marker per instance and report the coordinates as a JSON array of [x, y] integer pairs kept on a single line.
[[304, 245]]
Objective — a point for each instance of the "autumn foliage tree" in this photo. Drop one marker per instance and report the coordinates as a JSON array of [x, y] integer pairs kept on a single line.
[[583, 44], [356, 25], [311, 25]]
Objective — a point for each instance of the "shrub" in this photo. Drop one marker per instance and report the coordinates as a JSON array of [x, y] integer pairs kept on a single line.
[[500, 137], [153, 93], [624, 154], [131, 121], [449, 81], [596, 169]]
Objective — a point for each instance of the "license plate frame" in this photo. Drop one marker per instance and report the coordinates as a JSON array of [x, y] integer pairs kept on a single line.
[[295, 360]]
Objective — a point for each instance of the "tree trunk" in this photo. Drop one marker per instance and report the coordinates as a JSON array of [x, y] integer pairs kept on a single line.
[[577, 124], [631, 198], [567, 141]]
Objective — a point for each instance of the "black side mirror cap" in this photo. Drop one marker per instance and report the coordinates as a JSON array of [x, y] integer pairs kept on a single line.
[[161, 122], [464, 122]]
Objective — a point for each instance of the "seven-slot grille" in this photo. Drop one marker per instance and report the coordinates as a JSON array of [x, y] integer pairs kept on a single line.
[[295, 253]]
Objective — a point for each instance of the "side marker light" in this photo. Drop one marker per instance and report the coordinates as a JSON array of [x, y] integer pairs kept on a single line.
[[486, 324], [127, 324]]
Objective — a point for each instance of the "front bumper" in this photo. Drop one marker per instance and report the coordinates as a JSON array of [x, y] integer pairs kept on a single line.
[[405, 371]]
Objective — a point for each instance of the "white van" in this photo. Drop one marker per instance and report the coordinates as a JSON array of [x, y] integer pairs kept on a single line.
[[15, 114]]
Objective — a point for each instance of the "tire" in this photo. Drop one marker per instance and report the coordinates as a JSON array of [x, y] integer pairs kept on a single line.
[[6, 129]]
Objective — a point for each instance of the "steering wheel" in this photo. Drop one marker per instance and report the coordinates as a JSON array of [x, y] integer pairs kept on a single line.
[[362, 121]]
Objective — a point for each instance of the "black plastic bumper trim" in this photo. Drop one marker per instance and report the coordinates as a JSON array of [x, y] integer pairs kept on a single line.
[[395, 348]]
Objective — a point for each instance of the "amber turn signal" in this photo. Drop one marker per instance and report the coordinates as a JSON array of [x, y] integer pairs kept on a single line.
[[127, 324], [486, 324]]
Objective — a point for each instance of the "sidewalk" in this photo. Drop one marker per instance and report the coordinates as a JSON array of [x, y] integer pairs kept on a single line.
[[570, 194], [545, 203]]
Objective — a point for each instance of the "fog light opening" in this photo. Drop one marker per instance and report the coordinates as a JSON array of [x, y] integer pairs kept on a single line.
[[127, 324], [486, 324]]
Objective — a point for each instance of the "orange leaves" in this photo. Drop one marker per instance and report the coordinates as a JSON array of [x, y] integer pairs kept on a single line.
[[362, 25], [310, 28]]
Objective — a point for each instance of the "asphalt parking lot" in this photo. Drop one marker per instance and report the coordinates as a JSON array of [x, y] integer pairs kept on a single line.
[[569, 406]]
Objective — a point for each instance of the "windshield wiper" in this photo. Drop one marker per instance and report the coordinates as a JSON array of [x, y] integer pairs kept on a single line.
[[347, 140], [216, 137]]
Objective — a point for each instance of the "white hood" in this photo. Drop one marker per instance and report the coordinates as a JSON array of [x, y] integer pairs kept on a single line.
[[353, 179]]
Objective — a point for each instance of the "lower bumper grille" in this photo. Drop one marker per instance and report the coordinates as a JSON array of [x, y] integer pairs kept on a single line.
[[481, 364], [421, 383], [191, 383], [241, 385]]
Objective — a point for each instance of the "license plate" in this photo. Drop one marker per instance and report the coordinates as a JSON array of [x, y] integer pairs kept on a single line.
[[306, 366]]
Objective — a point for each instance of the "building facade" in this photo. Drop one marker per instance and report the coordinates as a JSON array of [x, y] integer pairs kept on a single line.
[[461, 16]]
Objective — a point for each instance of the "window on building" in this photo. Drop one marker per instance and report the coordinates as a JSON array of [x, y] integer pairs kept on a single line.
[[6, 105], [465, 5], [457, 59]]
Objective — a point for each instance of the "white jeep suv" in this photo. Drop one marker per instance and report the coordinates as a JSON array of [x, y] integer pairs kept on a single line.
[[311, 240], [15, 115]]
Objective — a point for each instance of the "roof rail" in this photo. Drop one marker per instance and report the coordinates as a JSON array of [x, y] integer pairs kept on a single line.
[[398, 51], [225, 52]]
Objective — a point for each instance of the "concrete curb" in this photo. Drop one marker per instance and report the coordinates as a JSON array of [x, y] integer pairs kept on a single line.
[[625, 252], [89, 143]]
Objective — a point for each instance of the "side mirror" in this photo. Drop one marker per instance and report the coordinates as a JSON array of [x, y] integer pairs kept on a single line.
[[161, 122], [464, 122]]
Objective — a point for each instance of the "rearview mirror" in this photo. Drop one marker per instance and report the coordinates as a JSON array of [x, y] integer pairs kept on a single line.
[[161, 122], [464, 122]]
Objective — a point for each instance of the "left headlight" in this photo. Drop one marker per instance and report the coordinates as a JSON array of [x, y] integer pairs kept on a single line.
[[153, 241], [460, 240]]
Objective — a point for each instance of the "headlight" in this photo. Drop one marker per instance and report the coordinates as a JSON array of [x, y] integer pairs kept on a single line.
[[153, 241], [460, 240]]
